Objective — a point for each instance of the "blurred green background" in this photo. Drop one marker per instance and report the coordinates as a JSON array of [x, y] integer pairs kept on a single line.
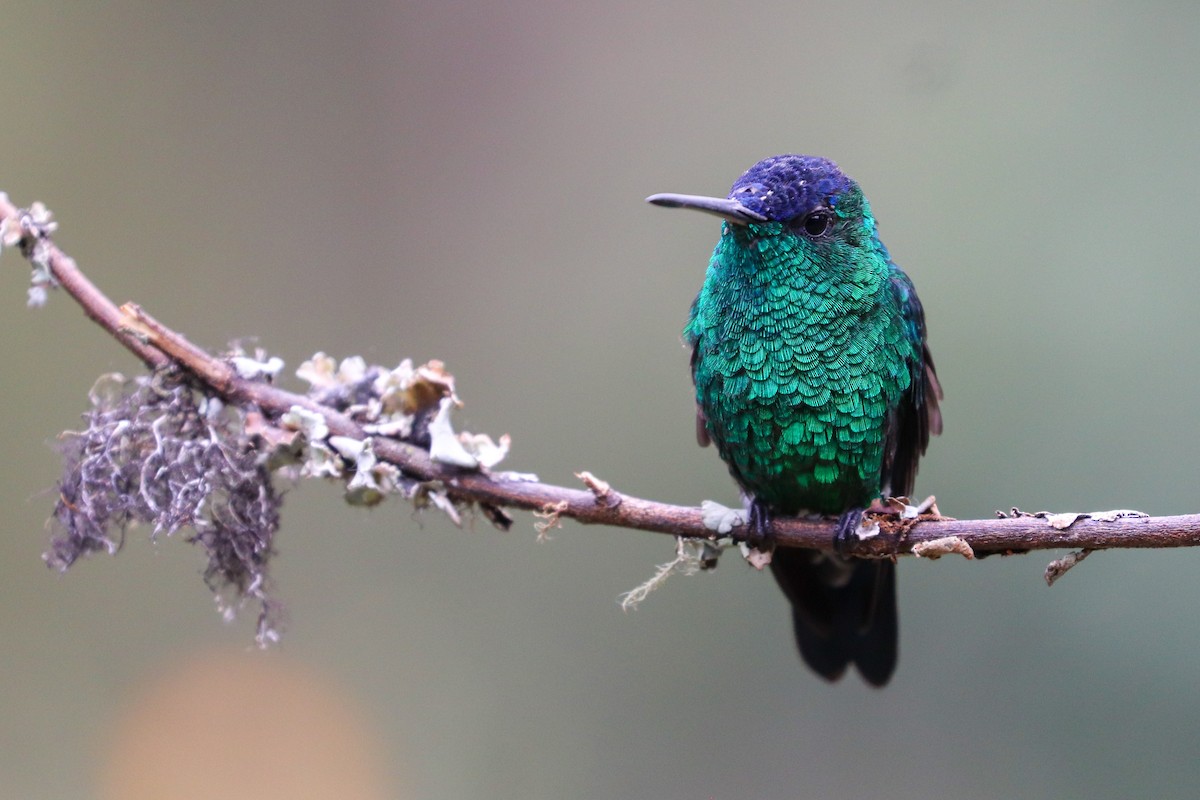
[[464, 181]]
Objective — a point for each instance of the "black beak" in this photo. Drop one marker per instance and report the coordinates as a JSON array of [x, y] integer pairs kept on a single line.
[[726, 209]]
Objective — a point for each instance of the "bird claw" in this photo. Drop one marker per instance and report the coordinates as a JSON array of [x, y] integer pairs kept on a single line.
[[847, 530], [758, 527]]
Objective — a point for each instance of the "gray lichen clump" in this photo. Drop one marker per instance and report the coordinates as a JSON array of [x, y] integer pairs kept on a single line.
[[158, 451], [154, 451]]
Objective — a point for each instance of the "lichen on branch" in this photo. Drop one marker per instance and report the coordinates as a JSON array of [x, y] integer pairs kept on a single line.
[[156, 451], [204, 443], [163, 450]]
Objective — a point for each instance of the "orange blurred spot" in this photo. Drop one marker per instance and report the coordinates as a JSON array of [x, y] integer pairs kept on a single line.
[[241, 725]]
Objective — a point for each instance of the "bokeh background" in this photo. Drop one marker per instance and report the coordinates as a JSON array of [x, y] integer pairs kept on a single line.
[[464, 181]]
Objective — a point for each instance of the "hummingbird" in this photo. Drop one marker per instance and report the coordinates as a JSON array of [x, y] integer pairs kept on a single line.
[[814, 381]]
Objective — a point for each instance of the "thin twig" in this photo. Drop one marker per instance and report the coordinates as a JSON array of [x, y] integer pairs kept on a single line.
[[160, 347]]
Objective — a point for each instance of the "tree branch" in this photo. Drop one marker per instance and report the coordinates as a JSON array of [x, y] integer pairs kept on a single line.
[[929, 535]]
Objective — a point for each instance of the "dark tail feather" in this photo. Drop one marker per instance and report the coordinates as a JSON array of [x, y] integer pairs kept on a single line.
[[844, 612]]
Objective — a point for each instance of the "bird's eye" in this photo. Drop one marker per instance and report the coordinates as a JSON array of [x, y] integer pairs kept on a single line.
[[817, 223]]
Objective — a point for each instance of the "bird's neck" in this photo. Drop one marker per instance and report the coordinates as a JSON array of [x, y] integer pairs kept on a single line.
[[767, 269]]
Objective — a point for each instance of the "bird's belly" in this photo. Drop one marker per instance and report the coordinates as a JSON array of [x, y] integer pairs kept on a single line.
[[796, 443]]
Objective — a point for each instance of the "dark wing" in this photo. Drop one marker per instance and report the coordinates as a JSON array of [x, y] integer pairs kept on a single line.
[[701, 422], [690, 339], [918, 414]]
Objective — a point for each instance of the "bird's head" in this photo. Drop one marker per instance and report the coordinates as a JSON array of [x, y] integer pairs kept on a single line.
[[790, 195]]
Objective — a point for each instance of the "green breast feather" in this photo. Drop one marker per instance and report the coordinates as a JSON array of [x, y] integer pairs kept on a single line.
[[799, 358]]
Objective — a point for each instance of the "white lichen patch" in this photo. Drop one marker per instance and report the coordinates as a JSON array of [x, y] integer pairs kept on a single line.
[[444, 446], [310, 423], [1116, 514], [867, 529], [722, 519], [759, 559], [947, 545]]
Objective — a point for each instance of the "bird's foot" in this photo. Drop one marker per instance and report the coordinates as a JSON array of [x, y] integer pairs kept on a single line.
[[758, 527], [847, 530]]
